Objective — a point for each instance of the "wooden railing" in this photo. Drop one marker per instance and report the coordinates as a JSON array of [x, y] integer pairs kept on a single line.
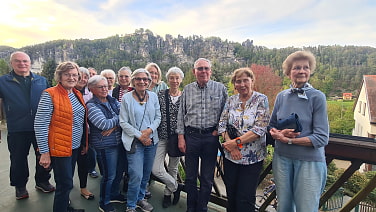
[[356, 150]]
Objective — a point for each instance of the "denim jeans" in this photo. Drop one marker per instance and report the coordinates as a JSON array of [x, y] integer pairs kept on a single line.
[[159, 170], [204, 147], [19, 146], [140, 165], [241, 184], [109, 161], [122, 167], [299, 183], [91, 159], [63, 173]]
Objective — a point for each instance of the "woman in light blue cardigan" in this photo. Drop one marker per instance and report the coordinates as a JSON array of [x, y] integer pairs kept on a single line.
[[139, 118]]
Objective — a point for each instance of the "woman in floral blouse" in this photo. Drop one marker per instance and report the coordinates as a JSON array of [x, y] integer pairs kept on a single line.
[[248, 113]]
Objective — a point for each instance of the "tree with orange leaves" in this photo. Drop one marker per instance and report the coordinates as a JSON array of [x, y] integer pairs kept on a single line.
[[267, 82]]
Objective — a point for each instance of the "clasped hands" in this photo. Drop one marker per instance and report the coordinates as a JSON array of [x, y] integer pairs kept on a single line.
[[283, 135], [145, 137], [231, 147]]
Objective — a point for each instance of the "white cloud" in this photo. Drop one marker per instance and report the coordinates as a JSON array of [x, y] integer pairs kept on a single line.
[[272, 23]]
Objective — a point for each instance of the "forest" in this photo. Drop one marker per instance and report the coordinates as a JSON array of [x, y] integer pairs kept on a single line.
[[339, 68]]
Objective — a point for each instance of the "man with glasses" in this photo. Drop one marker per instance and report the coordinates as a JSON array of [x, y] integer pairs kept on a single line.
[[200, 108], [21, 90]]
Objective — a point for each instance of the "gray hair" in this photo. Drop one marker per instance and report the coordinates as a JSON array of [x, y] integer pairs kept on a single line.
[[84, 70], [108, 71], [18, 52], [138, 71], [202, 59], [149, 65], [95, 79], [125, 68], [175, 70]]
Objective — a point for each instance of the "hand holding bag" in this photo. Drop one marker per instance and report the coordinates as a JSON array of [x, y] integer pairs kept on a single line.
[[291, 122], [172, 139]]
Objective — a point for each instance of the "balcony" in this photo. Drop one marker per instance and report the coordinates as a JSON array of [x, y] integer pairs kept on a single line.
[[355, 150]]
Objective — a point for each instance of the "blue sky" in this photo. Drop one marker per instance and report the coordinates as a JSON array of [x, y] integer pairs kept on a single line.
[[270, 23]]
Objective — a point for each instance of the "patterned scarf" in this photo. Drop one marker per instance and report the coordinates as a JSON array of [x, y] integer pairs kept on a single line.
[[301, 92]]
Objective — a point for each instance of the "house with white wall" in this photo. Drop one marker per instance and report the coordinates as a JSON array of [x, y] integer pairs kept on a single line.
[[365, 112]]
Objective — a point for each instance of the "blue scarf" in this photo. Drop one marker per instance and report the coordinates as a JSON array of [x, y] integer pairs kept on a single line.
[[301, 92]]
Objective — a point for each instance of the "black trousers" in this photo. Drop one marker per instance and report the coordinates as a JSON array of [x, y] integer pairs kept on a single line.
[[82, 168], [19, 146], [241, 183]]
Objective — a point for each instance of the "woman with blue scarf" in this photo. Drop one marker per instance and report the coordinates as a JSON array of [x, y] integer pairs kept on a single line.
[[299, 166]]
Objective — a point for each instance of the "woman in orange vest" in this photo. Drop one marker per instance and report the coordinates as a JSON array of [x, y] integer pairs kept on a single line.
[[61, 129]]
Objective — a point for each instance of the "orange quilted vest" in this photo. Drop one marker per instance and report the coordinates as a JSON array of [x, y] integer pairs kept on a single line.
[[60, 129]]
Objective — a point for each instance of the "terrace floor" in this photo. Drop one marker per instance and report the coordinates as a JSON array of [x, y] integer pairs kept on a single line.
[[40, 202]]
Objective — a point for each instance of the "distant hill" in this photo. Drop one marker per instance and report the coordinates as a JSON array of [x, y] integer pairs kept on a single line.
[[339, 69]]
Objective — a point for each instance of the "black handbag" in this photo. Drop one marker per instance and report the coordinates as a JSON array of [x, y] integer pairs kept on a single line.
[[291, 122], [232, 131], [172, 139]]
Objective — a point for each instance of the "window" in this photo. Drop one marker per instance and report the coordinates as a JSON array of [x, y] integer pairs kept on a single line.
[[364, 109], [360, 107]]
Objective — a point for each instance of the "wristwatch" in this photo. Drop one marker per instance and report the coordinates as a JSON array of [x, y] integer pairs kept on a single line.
[[289, 141], [239, 142]]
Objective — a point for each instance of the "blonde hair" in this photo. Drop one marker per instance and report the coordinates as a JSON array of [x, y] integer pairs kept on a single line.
[[150, 65], [64, 67], [298, 55], [238, 72]]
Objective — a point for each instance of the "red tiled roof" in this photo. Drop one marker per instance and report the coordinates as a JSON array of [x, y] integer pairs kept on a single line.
[[370, 88]]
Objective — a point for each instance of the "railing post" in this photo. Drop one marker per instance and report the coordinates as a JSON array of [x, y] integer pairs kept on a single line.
[[342, 179], [362, 194]]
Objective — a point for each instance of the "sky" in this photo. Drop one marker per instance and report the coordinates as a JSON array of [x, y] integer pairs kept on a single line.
[[269, 23]]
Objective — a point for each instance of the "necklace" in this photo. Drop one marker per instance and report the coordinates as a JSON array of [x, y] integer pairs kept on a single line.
[[177, 93], [141, 99]]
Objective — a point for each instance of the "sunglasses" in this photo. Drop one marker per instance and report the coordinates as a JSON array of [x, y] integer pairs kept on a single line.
[[203, 68]]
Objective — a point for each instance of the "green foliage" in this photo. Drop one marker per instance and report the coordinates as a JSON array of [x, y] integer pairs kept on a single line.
[[339, 68], [4, 67], [341, 116], [48, 71]]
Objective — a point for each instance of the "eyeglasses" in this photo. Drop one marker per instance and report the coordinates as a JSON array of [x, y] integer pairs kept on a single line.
[[123, 76], [21, 61], [101, 87], [297, 68], [203, 68], [70, 75], [139, 79]]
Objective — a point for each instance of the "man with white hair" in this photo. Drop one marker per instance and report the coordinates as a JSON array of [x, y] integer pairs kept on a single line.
[[21, 90]]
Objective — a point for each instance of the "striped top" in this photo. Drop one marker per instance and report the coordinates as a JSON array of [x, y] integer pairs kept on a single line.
[[43, 120], [201, 107]]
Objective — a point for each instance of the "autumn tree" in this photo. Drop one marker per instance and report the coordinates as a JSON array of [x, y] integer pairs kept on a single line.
[[267, 82]]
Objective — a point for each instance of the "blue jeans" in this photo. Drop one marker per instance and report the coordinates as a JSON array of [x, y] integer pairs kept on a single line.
[[19, 146], [241, 183], [112, 173], [299, 183], [63, 173], [91, 159], [204, 147], [140, 164]]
